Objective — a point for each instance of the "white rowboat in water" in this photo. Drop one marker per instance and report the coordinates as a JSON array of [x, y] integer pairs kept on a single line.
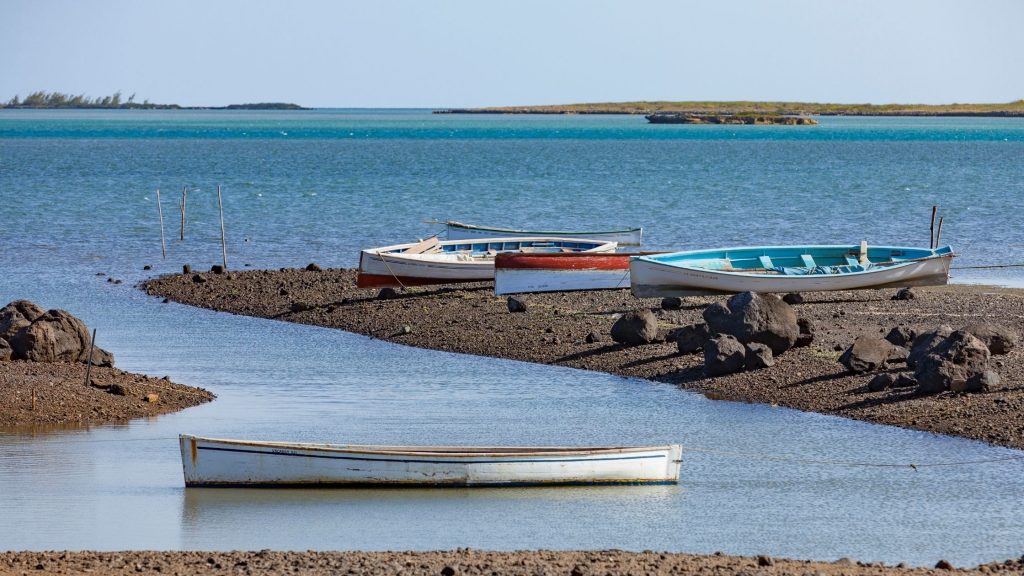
[[210, 462]]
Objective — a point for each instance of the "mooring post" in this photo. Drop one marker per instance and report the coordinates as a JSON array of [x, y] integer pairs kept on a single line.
[[184, 195], [160, 211], [938, 233], [223, 242], [931, 229], [88, 367]]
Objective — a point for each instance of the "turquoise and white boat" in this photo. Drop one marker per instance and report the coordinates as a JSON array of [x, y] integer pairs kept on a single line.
[[788, 269]]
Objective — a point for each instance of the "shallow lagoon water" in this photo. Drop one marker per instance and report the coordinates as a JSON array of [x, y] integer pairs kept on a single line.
[[77, 191]]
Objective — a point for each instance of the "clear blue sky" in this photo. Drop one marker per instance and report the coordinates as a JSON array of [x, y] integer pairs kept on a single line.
[[476, 52]]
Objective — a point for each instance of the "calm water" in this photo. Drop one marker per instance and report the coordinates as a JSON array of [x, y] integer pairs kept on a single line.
[[77, 190]]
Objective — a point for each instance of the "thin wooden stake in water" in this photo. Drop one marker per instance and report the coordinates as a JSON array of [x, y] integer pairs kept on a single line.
[[931, 229], [160, 210], [223, 242], [938, 233], [88, 367], [184, 195]]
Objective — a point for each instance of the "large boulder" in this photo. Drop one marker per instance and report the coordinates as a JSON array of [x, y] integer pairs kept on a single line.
[[690, 339], [638, 327], [754, 317], [56, 336], [866, 354], [901, 336], [5, 351], [958, 363], [924, 342], [17, 315], [999, 339], [758, 356], [723, 354]]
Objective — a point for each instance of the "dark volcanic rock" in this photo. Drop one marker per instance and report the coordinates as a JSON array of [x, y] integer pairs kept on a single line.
[[904, 380], [17, 315], [999, 339], [516, 304], [186, 269], [672, 303], [314, 267], [593, 337], [56, 336], [901, 336], [5, 351], [752, 317], [758, 356], [217, 269], [905, 294], [881, 382], [898, 354], [723, 354], [637, 327], [690, 339], [387, 294], [793, 298], [866, 354], [806, 333], [198, 279], [957, 364], [924, 342]]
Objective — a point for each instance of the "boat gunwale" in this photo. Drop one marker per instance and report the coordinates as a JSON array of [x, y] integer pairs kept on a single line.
[[499, 452], [934, 255], [389, 251], [457, 224]]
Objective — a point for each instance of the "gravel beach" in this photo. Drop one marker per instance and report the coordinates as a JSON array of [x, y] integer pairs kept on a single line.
[[452, 563], [62, 399], [572, 329]]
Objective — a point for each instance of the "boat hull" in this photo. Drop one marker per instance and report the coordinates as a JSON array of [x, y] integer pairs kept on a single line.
[[526, 273], [650, 278], [390, 267], [623, 237], [211, 462]]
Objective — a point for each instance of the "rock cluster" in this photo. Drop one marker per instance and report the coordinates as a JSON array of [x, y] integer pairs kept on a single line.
[[942, 359], [747, 332], [28, 332]]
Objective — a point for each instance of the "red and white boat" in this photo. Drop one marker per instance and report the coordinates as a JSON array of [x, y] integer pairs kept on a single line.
[[434, 261], [522, 273]]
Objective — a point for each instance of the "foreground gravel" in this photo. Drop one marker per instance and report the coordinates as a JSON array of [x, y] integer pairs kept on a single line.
[[451, 563], [62, 399], [471, 319]]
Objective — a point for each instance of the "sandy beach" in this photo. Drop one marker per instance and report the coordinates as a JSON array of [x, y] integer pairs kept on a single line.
[[572, 329]]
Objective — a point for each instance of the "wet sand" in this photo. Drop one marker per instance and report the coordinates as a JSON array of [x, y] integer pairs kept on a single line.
[[451, 563], [470, 319], [62, 399]]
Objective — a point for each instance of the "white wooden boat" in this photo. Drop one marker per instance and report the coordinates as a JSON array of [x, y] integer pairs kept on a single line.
[[788, 269], [622, 236], [434, 261], [239, 463], [518, 273]]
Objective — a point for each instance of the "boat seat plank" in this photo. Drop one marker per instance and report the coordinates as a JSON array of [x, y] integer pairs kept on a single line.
[[422, 246], [766, 261], [851, 261], [808, 260]]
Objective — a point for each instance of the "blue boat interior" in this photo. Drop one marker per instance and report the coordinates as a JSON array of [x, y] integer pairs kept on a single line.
[[798, 260]]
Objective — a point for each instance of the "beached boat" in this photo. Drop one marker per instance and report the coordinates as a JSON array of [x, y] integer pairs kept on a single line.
[[623, 236], [216, 462], [434, 261], [518, 273], [788, 269]]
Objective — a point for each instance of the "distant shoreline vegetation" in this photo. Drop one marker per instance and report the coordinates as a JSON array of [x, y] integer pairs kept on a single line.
[[115, 102], [739, 108]]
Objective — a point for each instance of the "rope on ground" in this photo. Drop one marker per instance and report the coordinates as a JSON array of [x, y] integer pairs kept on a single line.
[[795, 460], [987, 267]]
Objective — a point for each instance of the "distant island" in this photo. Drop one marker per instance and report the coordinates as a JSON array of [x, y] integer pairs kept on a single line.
[[115, 102], [750, 108]]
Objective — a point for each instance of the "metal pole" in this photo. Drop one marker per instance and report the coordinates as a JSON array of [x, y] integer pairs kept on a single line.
[[88, 367], [160, 210], [931, 229], [223, 242]]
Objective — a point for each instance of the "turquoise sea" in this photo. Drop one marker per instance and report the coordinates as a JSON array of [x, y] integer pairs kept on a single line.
[[78, 198]]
